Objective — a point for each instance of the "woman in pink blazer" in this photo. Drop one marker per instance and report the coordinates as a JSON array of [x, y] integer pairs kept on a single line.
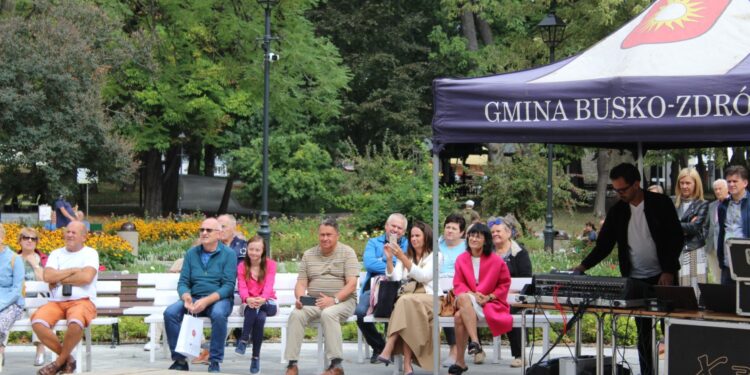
[[255, 277], [481, 284]]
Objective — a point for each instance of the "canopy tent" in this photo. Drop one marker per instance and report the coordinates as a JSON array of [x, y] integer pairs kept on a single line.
[[676, 76]]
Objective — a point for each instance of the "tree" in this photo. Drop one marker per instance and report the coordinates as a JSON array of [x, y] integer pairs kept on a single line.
[[517, 186], [204, 77], [54, 59]]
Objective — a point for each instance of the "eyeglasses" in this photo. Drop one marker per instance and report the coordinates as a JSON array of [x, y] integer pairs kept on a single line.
[[26, 238], [207, 230], [492, 223], [622, 190]]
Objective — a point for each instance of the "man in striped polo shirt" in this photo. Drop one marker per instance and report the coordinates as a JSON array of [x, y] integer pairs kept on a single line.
[[328, 272]]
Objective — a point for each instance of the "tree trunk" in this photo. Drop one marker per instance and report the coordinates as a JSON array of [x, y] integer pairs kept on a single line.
[[194, 158], [674, 171], [209, 160], [469, 29], [152, 181], [485, 32], [169, 190], [575, 170], [602, 179], [495, 153], [7, 7], [227, 193]]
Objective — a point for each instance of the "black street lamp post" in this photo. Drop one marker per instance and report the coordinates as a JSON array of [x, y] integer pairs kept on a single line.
[[182, 138], [268, 57], [553, 30]]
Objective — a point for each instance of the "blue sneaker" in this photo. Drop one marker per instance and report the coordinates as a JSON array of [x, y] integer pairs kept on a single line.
[[241, 347], [214, 367], [255, 365]]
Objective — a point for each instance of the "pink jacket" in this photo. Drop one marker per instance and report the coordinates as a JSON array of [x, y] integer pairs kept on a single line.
[[494, 278], [253, 288]]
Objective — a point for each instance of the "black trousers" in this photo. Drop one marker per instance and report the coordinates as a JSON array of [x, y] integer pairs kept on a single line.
[[644, 328]]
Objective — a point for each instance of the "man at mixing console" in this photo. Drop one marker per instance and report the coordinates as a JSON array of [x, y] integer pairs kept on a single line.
[[648, 235]]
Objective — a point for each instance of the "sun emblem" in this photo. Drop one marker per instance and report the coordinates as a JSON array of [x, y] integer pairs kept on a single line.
[[675, 13]]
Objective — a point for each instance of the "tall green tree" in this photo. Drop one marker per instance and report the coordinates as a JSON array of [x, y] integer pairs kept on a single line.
[[205, 80], [54, 59]]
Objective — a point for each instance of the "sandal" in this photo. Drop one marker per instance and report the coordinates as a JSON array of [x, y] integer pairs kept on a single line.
[[457, 370], [474, 348]]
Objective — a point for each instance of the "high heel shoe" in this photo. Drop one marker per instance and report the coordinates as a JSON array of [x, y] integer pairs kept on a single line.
[[384, 360], [457, 370]]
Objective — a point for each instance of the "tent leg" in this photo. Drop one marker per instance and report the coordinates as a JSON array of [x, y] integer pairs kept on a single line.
[[435, 264]]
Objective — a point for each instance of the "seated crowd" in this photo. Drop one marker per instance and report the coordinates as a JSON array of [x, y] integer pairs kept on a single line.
[[481, 266]]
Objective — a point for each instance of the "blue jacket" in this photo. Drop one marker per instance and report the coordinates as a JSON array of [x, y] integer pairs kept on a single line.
[[11, 280], [744, 211], [218, 275], [374, 258]]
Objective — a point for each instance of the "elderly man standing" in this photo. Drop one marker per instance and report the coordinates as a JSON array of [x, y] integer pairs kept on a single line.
[[327, 272], [229, 236], [375, 261], [712, 229], [71, 272], [206, 288]]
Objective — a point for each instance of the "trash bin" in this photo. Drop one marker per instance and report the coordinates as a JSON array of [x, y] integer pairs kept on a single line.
[[128, 233]]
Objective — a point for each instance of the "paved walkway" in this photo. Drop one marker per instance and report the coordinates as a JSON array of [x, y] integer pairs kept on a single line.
[[131, 359]]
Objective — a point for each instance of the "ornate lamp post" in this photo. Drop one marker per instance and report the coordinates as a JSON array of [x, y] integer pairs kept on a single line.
[[265, 230], [182, 138], [553, 30]]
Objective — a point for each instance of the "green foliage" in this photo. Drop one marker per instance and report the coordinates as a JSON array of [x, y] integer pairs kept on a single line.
[[518, 185], [301, 173], [54, 59], [388, 180]]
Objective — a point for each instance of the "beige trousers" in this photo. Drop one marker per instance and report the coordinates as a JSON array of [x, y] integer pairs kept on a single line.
[[331, 319]]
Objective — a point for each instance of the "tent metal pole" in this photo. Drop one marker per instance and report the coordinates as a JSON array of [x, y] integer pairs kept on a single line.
[[435, 265], [640, 162], [549, 231]]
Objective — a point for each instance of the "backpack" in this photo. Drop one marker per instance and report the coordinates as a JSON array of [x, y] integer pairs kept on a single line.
[[23, 282]]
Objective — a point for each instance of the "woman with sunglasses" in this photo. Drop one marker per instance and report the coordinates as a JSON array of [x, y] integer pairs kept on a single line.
[[11, 292], [481, 284], [33, 263], [519, 265]]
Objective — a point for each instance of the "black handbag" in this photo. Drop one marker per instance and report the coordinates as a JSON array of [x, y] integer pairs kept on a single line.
[[387, 295]]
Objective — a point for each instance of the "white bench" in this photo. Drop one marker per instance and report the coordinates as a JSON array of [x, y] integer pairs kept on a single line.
[[33, 303], [162, 288]]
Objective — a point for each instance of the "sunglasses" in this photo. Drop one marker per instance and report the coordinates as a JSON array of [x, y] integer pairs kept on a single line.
[[25, 238], [492, 223], [207, 230], [622, 190]]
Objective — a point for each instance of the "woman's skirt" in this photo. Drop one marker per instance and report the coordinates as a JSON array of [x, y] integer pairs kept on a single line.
[[412, 321], [693, 268]]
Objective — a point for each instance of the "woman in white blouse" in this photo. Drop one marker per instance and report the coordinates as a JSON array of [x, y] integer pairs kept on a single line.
[[410, 325]]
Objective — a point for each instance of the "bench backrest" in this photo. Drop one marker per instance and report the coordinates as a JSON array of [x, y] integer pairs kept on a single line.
[[106, 292]]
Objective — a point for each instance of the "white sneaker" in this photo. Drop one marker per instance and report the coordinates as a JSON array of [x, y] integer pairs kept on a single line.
[[449, 362], [517, 362], [148, 346]]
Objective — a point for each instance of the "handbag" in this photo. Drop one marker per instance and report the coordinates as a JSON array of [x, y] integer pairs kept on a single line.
[[387, 295], [447, 304], [191, 334], [408, 287]]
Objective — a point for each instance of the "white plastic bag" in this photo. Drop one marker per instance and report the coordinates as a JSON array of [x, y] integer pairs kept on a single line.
[[191, 334]]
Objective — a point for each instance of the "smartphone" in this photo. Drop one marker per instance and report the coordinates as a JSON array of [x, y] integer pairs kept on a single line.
[[307, 300], [67, 290], [392, 238]]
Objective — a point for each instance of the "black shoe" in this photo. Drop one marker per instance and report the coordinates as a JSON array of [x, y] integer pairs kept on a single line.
[[180, 365], [474, 348], [214, 367], [374, 357], [457, 370]]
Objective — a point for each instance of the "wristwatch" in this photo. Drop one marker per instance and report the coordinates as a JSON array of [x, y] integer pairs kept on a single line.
[[335, 300]]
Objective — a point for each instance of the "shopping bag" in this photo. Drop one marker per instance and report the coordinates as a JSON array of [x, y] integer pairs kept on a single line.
[[387, 294], [191, 334]]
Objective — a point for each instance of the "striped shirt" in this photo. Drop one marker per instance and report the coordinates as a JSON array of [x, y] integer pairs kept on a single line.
[[327, 274]]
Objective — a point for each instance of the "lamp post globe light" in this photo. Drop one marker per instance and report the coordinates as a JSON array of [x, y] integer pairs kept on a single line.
[[268, 56], [552, 29]]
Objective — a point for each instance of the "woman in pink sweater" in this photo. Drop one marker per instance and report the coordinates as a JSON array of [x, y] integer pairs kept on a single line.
[[255, 277]]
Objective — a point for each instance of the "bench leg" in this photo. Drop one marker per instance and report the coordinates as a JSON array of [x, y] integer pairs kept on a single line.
[[398, 364], [496, 347], [162, 332], [115, 335], [88, 349], [321, 352], [360, 355], [152, 352], [283, 344], [79, 356], [545, 337]]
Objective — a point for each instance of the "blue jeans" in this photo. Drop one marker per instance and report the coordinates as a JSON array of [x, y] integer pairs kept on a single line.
[[217, 312]]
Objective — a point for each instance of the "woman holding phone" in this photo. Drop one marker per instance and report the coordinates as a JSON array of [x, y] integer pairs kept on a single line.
[[410, 325]]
